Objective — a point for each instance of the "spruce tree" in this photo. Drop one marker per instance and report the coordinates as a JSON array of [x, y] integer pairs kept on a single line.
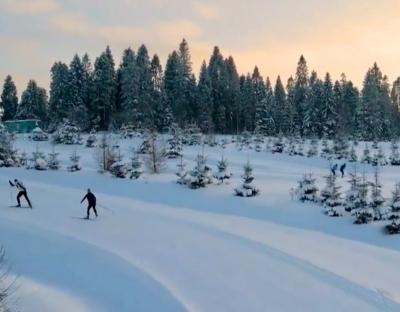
[[104, 91], [33, 103], [77, 113], [329, 109], [59, 88], [281, 109], [218, 76], [300, 93], [9, 99], [128, 88], [204, 100], [143, 67], [394, 158]]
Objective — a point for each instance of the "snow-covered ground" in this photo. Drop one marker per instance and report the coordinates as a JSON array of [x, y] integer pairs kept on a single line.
[[159, 246]]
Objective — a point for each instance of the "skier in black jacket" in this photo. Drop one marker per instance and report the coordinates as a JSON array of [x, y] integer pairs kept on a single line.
[[342, 167], [21, 192], [91, 202]]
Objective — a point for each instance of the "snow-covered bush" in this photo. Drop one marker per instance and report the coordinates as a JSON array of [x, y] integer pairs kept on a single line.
[[300, 147], [39, 135], [38, 160], [119, 169], [192, 136], [127, 131], [105, 153], [74, 165], [307, 190], [366, 156], [8, 155], [393, 228], [313, 149], [91, 140], [156, 156], [331, 197], [278, 145], [376, 209], [394, 204], [223, 173], [53, 161], [326, 150], [182, 172], [352, 197], [352, 154], [174, 149], [247, 189], [341, 148], [394, 158], [6, 289], [379, 158], [136, 169], [67, 134], [201, 175]]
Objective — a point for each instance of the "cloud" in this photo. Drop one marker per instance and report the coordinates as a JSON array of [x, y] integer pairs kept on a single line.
[[176, 30], [164, 32], [29, 7], [206, 11], [80, 27]]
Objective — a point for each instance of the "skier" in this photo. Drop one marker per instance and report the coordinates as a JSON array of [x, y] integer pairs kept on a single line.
[[21, 192], [334, 168], [342, 167], [91, 202]]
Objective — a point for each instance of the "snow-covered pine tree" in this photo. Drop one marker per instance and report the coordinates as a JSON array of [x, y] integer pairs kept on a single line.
[[278, 145], [300, 147], [119, 169], [379, 158], [360, 207], [394, 158], [9, 99], [366, 156], [53, 161], [326, 151], [377, 202], [91, 140], [201, 175], [307, 190], [341, 147], [38, 160], [8, 155], [394, 204], [331, 197], [74, 162], [291, 146], [174, 145], [136, 165], [67, 134], [182, 172], [352, 200], [352, 154], [223, 172], [313, 148], [155, 159], [105, 154], [247, 189]]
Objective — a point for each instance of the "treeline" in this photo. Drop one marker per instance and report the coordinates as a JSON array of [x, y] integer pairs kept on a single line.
[[141, 94]]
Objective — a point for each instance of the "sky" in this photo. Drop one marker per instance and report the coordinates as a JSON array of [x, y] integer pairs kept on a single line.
[[336, 36]]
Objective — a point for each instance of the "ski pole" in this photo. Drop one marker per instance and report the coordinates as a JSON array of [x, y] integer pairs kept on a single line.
[[106, 208]]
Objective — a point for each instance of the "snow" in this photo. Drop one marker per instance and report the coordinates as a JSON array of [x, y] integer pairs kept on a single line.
[[159, 246]]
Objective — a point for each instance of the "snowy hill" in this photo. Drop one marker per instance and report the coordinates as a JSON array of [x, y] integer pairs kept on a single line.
[[159, 246]]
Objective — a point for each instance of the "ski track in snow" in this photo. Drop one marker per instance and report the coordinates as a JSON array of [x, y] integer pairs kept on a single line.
[[164, 247]]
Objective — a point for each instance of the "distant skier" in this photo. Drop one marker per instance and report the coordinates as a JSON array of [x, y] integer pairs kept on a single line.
[[342, 167], [91, 202], [334, 168], [21, 192]]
